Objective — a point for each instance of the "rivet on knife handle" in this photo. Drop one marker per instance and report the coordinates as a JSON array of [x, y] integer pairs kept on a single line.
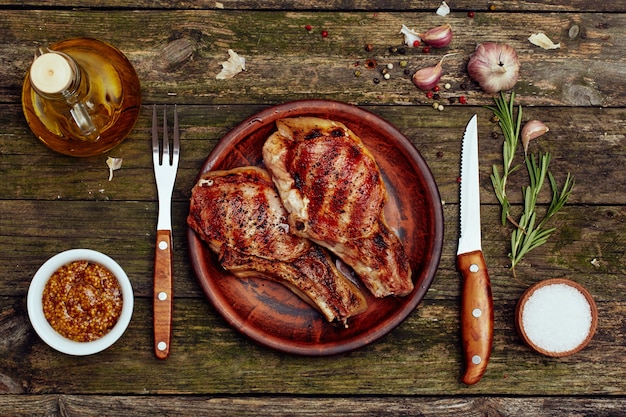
[[476, 315], [163, 294]]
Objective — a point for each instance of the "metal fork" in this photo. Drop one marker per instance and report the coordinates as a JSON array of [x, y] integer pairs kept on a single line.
[[165, 157]]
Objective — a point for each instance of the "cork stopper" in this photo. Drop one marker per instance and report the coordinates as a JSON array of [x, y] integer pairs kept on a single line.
[[51, 73]]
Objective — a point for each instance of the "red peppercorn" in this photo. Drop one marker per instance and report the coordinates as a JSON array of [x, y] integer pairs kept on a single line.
[[324, 34], [436, 88], [416, 43], [458, 180], [426, 49], [429, 94], [470, 15], [309, 27], [462, 100]]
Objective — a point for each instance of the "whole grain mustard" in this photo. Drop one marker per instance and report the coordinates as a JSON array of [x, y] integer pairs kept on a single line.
[[82, 301]]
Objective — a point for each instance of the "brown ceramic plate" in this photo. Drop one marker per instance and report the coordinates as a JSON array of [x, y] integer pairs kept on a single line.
[[273, 316]]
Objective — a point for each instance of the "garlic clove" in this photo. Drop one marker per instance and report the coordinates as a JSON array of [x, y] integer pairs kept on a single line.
[[410, 36], [532, 130], [494, 66], [427, 78], [541, 40], [438, 37]]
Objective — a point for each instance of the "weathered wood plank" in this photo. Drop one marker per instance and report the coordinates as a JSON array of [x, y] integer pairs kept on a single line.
[[75, 405], [125, 231], [588, 142], [421, 357], [586, 71], [367, 5]]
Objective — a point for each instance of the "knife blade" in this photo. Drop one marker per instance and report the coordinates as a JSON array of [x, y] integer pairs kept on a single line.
[[476, 299]]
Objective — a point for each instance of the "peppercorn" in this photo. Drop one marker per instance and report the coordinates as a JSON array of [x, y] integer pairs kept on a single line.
[[401, 51], [393, 49], [436, 96], [436, 88], [371, 63], [376, 81], [324, 34], [426, 49], [369, 47], [451, 100], [416, 43], [439, 154], [387, 76], [308, 28], [407, 72], [357, 73], [462, 100], [429, 94], [494, 135], [403, 64], [470, 15]]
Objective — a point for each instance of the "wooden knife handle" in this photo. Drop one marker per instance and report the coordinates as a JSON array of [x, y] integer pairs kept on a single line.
[[162, 299], [476, 315]]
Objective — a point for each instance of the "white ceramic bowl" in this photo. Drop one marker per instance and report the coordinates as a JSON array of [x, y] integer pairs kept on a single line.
[[47, 332]]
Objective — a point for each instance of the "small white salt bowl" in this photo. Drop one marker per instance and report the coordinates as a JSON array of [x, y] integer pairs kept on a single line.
[[556, 317], [35, 303]]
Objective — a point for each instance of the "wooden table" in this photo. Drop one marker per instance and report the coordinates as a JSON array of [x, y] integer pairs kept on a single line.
[[50, 202]]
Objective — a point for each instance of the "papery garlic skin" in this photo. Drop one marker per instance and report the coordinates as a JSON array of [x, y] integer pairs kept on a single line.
[[532, 130], [114, 164], [542, 40], [494, 66], [410, 36], [438, 37], [444, 9], [232, 67]]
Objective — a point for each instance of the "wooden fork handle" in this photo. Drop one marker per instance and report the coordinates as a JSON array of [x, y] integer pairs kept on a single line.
[[162, 299]]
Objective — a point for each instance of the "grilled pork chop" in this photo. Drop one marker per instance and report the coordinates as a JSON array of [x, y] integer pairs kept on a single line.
[[333, 190], [240, 215]]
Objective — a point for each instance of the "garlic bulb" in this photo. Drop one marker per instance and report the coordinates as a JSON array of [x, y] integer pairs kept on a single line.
[[532, 130], [494, 66]]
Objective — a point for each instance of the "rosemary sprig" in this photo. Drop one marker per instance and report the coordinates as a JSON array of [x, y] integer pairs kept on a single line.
[[529, 232], [511, 130]]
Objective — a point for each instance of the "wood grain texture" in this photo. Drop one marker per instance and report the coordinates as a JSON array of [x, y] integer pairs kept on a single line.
[[50, 202]]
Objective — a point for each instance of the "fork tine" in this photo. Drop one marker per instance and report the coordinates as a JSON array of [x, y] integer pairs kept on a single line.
[[155, 135], [166, 141], [176, 137]]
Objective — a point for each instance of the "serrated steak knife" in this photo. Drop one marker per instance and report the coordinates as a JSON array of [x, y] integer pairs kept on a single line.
[[476, 300]]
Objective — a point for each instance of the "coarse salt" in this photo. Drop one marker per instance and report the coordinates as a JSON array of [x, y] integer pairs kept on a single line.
[[557, 318]]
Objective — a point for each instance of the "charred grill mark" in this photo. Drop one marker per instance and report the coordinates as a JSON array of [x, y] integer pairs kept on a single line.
[[337, 133], [297, 181], [315, 133]]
